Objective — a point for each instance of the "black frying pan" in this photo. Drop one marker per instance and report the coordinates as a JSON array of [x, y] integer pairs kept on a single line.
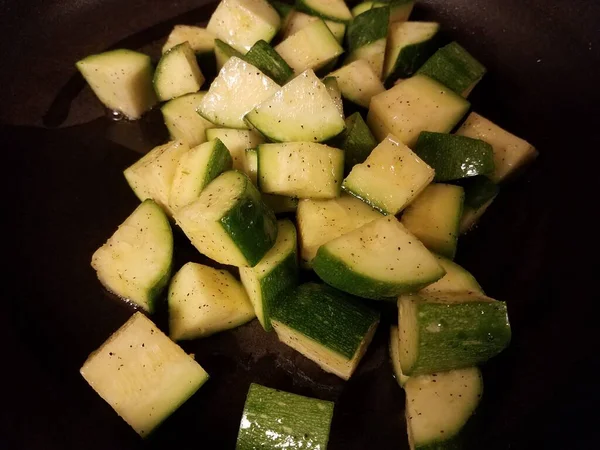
[[536, 248]]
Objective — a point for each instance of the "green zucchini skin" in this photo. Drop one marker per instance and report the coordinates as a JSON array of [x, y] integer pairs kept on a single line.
[[479, 190], [367, 27], [275, 419], [334, 319], [357, 141], [455, 157], [265, 58]]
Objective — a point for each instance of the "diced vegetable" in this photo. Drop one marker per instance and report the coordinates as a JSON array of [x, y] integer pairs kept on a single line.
[[264, 57], [275, 273], [390, 178], [334, 92], [438, 406], [510, 152], [182, 120], [447, 331], [480, 192], [229, 222], [321, 221], [238, 88], [300, 169], [196, 169], [434, 217], [251, 165], [394, 348], [311, 47], [152, 175], [409, 45], [276, 419], [135, 263], [378, 261], [298, 20], [204, 301], [335, 10], [366, 37], [241, 23], [365, 6], [415, 105], [455, 157], [400, 10], [358, 83], [223, 52], [455, 68], [200, 39], [122, 81], [327, 326], [302, 110], [142, 374], [177, 73], [457, 279], [237, 142]]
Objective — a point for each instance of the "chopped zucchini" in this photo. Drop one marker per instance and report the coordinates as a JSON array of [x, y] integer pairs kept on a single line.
[[302, 110], [378, 260], [275, 273], [223, 52], [454, 157], [321, 221], [390, 178], [229, 222], [177, 73], [510, 152], [438, 406], [447, 331], [142, 374], [298, 20], [135, 263], [327, 326], [300, 169], [152, 175], [357, 141], [264, 57], [311, 47], [275, 419], [196, 169], [200, 39], [334, 92], [366, 37], [366, 6], [205, 301], [251, 165], [281, 204], [335, 10], [358, 83], [409, 45], [479, 190], [394, 348], [455, 68], [400, 10], [182, 120], [241, 23], [238, 88], [434, 217], [122, 81], [457, 279], [237, 142], [415, 105]]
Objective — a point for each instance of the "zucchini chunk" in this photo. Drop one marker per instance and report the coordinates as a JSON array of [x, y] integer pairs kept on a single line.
[[333, 89], [238, 89], [434, 217], [358, 82], [378, 260], [302, 110], [300, 169], [357, 141], [390, 178], [135, 263], [122, 81], [229, 222], [510, 151], [177, 73], [335, 10], [242, 23], [200, 39], [142, 374], [237, 142], [224, 51], [182, 120], [366, 36], [414, 105], [457, 279], [275, 273], [298, 20], [277, 419], [447, 331], [327, 326], [204, 300], [265, 58]]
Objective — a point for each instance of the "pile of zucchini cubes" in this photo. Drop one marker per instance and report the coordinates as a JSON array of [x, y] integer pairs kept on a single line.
[[266, 173]]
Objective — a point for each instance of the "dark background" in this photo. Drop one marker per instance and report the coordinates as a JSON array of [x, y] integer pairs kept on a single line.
[[64, 194]]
